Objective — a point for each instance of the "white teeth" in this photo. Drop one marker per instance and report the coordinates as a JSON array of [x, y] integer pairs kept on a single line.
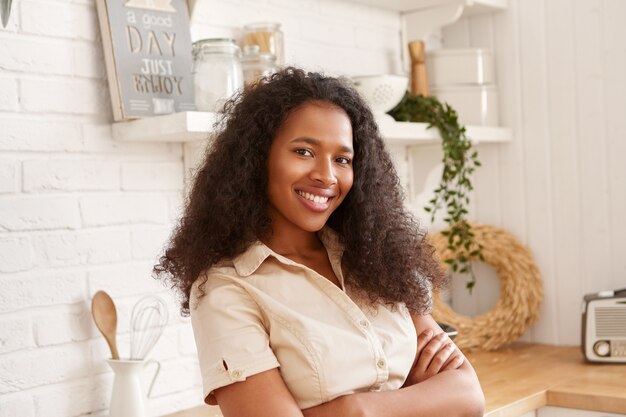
[[314, 198]]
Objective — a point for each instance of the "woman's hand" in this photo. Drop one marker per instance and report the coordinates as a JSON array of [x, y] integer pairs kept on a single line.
[[435, 353]]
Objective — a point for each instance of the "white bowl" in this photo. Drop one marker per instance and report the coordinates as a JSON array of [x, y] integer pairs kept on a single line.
[[381, 92]]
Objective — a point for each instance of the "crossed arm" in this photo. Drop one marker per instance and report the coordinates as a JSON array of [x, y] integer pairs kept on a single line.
[[441, 383]]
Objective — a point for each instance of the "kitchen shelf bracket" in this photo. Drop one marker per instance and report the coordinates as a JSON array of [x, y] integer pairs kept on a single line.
[[421, 23]]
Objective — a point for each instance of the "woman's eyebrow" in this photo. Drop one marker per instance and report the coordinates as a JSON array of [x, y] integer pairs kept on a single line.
[[317, 142]]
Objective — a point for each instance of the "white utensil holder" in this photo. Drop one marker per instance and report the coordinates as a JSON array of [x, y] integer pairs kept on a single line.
[[128, 398]]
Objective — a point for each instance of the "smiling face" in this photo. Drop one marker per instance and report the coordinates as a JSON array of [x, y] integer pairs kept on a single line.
[[309, 167]]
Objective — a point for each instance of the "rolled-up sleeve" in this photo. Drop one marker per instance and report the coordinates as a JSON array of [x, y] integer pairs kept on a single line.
[[230, 334]]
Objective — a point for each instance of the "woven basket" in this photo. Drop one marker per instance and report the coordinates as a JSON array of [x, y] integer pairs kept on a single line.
[[521, 291]]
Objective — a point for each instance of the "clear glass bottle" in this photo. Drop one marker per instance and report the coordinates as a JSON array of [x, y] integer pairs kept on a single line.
[[268, 36], [217, 72], [256, 64]]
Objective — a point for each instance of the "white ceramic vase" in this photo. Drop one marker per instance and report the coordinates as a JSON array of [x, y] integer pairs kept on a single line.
[[128, 398]]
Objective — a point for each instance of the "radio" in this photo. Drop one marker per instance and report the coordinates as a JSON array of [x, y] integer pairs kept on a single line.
[[604, 326]]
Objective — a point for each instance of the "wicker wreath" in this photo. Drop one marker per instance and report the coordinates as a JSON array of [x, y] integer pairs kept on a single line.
[[521, 291]]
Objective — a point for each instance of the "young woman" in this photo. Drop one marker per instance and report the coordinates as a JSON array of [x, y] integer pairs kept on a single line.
[[307, 282]]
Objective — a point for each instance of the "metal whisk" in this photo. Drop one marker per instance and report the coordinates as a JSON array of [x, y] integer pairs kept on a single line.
[[147, 322]]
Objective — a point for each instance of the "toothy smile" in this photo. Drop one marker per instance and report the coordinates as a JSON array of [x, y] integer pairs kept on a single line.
[[312, 197]]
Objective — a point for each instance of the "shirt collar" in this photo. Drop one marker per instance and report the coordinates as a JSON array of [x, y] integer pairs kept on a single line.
[[249, 261]]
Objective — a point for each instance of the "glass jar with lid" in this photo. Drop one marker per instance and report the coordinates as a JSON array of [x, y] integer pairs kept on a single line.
[[217, 72], [256, 64], [268, 37]]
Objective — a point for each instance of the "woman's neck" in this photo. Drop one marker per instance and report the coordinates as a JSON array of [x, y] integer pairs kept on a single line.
[[293, 241]]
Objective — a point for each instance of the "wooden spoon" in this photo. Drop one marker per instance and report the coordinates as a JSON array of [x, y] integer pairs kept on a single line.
[[105, 316]]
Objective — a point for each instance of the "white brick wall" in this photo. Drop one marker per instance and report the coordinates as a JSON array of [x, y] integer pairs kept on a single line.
[[9, 176], [59, 19], [15, 253], [54, 57], [23, 370], [81, 212], [15, 334], [103, 210], [70, 175], [8, 98], [42, 289], [19, 404], [73, 398], [37, 212], [38, 95], [152, 176]]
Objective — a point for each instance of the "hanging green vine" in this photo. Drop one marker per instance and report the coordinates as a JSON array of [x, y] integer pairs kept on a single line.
[[459, 162]]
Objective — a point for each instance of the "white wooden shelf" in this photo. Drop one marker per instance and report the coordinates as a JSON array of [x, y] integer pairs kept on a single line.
[[405, 6], [406, 133], [197, 126], [189, 126]]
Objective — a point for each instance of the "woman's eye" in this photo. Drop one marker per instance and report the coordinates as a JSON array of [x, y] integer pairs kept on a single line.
[[303, 152], [343, 160]]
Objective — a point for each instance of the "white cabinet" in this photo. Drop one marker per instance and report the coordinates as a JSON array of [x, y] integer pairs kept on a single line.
[[571, 412], [567, 412]]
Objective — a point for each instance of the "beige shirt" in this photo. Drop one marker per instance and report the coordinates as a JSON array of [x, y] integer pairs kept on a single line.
[[263, 310]]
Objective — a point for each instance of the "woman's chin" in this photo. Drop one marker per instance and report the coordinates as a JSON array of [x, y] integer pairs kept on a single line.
[[313, 226]]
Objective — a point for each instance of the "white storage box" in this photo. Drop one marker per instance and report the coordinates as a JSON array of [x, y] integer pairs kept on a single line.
[[460, 66], [475, 104]]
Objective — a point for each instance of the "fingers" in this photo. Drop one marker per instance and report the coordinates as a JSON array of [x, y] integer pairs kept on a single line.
[[434, 354], [440, 358], [455, 361], [424, 338]]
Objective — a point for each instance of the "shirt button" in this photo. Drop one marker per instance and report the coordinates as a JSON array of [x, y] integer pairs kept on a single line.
[[236, 373], [364, 323], [380, 363]]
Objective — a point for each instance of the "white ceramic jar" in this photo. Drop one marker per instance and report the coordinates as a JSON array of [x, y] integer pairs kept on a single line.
[[460, 66], [474, 104], [217, 72]]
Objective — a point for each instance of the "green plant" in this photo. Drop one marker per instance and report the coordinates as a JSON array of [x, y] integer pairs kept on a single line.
[[459, 162]]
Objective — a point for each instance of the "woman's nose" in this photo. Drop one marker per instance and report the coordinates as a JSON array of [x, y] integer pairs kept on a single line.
[[323, 172]]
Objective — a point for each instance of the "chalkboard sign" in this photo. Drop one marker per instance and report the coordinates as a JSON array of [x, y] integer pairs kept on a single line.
[[147, 49]]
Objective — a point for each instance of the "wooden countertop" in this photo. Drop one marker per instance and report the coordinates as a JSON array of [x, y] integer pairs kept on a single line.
[[525, 377]]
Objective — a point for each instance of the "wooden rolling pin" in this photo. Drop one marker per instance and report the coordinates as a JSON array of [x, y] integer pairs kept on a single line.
[[419, 81]]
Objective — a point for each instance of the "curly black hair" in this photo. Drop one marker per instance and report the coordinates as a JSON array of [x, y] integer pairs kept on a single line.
[[386, 255]]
